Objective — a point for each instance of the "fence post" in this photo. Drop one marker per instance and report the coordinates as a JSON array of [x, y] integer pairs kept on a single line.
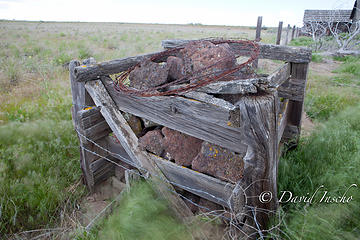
[[257, 37], [278, 38], [293, 33], [287, 35], [258, 29]]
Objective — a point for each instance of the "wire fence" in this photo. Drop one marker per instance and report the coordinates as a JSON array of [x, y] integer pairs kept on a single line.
[[236, 220]]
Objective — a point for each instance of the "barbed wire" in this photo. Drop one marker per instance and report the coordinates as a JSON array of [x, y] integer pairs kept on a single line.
[[233, 220], [202, 76]]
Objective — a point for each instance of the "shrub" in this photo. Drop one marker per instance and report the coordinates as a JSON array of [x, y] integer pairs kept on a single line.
[[302, 41], [84, 53], [317, 58]]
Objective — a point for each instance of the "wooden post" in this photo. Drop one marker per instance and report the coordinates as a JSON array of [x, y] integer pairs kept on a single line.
[[298, 78], [287, 35], [259, 113], [91, 125], [258, 29], [293, 33], [257, 37], [80, 99], [278, 38]]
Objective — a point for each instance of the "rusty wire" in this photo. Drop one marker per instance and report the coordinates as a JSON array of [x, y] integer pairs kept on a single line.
[[202, 76]]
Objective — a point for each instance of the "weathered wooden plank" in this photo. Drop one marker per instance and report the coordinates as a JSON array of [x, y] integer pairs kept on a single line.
[[129, 141], [94, 71], [79, 99], [102, 169], [90, 116], [278, 36], [279, 76], [283, 119], [267, 51], [197, 183], [97, 131], [299, 76], [206, 98], [242, 86], [258, 114], [198, 119], [292, 89]]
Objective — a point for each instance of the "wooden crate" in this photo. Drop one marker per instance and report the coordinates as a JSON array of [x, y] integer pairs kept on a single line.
[[264, 112]]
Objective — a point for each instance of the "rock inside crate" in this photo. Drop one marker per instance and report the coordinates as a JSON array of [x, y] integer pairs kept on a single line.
[[197, 60]]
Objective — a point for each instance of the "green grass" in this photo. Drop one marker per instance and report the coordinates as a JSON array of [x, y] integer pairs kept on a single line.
[[317, 58], [141, 215], [329, 95], [302, 41], [329, 157], [39, 161]]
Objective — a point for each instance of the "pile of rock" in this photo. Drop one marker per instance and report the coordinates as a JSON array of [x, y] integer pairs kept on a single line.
[[193, 153], [195, 59]]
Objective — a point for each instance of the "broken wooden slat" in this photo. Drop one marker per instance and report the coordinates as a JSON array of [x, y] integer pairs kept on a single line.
[[129, 141], [197, 183], [198, 119], [278, 77], [267, 51]]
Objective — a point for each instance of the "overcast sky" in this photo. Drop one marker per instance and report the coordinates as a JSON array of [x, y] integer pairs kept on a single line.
[[220, 12]]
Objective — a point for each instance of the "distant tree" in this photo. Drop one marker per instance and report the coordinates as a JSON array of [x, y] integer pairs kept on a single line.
[[346, 34]]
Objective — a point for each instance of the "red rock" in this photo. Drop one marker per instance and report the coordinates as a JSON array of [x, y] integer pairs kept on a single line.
[[218, 162], [148, 75], [176, 67], [181, 147], [152, 142], [200, 55]]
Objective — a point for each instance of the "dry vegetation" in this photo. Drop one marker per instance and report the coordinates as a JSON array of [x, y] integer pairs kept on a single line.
[[39, 149]]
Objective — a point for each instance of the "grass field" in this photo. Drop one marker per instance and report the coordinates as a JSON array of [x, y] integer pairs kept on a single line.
[[39, 155]]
